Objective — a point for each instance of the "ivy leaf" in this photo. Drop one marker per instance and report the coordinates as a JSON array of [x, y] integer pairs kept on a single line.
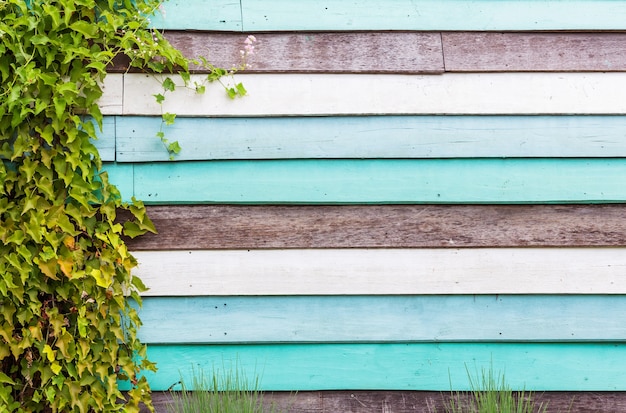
[[169, 118], [50, 354], [6, 379], [56, 368], [159, 98], [169, 85], [89, 30]]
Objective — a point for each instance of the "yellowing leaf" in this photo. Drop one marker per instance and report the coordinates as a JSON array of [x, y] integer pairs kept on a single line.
[[69, 242], [101, 279], [56, 368], [66, 266], [49, 268], [50, 354]]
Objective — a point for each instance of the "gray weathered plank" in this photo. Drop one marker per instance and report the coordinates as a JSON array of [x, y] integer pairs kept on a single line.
[[534, 52], [413, 401], [383, 226], [372, 52], [406, 52]]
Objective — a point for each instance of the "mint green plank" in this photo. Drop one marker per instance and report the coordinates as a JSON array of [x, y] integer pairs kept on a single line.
[[198, 14], [106, 139], [373, 137], [325, 319], [480, 15], [121, 175], [417, 366], [383, 181], [477, 15]]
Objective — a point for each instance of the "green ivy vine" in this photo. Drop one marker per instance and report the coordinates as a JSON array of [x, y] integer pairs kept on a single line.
[[68, 335]]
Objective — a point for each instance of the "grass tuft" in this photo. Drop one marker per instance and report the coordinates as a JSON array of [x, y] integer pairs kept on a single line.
[[489, 393], [223, 391]]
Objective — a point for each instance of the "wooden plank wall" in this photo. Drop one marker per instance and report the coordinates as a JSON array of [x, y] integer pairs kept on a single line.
[[407, 193]]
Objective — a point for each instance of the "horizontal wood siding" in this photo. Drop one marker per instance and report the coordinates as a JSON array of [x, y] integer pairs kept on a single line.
[[377, 181], [406, 366], [134, 137], [378, 319], [474, 15], [404, 52], [533, 52], [410, 401], [369, 94], [186, 227], [353, 226], [384, 271]]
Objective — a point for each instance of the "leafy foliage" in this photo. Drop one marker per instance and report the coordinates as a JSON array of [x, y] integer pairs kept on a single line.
[[68, 335]]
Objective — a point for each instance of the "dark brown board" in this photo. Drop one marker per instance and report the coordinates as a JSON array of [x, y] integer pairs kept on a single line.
[[383, 226], [534, 52], [416, 402]]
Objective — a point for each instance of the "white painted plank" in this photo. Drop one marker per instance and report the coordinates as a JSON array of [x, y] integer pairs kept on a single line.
[[384, 271], [111, 101], [354, 94]]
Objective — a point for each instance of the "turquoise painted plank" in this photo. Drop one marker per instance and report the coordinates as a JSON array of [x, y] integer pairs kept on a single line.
[[373, 137], [477, 15], [326, 319], [121, 175], [411, 366], [106, 139], [198, 14], [383, 181]]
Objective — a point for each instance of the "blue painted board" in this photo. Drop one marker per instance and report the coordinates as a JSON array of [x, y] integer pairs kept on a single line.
[[121, 175], [380, 181], [410, 366], [222, 15], [105, 142], [473, 15], [332, 319], [373, 137]]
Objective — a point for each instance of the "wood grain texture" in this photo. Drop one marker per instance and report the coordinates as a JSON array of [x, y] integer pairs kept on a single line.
[[534, 52], [383, 271], [371, 52], [382, 319], [383, 226], [413, 401], [373, 94], [392, 181], [411, 366], [477, 15], [405, 52], [372, 137]]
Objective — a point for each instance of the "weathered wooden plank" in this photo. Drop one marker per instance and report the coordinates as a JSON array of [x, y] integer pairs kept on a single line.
[[371, 94], [373, 137], [363, 319], [518, 180], [383, 226], [198, 15], [478, 15], [413, 401], [371, 52], [383, 271], [411, 366], [106, 139], [533, 52], [404, 52]]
